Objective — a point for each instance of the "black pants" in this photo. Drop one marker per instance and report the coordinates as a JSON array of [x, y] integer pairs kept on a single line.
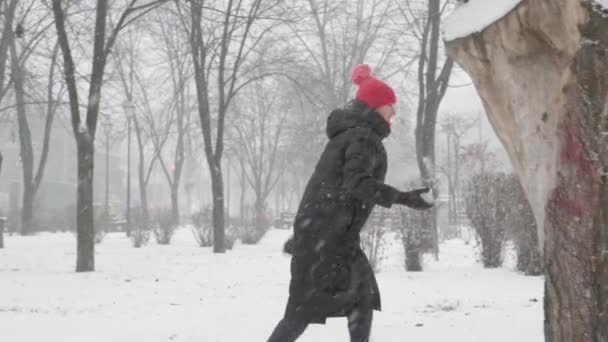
[[359, 327]]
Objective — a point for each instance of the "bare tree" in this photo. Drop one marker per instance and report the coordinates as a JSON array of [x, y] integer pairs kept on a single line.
[[487, 207], [175, 52], [84, 130], [21, 48], [8, 9], [221, 47], [333, 36], [454, 126], [329, 38], [32, 178], [128, 68], [259, 126], [433, 82]]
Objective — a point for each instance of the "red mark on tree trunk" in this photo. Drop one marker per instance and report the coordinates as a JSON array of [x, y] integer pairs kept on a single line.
[[578, 175]]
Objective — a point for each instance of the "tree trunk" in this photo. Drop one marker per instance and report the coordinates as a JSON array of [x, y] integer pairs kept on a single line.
[[27, 211], [450, 173], [107, 192], [85, 260], [431, 87], [543, 76], [128, 209], [217, 189], [2, 221], [260, 213], [412, 251], [243, 183], [228, 189], [25, 144], [143, 192], [175, 203], [6, 38]]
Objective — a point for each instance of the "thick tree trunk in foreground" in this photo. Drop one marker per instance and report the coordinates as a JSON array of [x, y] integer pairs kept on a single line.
[[542, 71], [217, 191], [85, 260]]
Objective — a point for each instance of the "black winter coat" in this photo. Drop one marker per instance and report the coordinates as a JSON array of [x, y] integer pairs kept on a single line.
[[330, 274]]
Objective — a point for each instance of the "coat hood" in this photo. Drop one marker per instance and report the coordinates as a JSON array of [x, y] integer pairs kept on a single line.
[[356, 114]]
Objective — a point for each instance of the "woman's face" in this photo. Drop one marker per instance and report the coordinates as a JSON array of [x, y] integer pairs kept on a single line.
[[386, 112]]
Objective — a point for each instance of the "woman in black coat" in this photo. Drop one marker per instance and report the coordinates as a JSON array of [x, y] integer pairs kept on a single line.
[[330, 274]]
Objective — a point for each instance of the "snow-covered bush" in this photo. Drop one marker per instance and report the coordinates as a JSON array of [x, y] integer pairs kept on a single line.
[[413, 231], [251, 234], [140, 227], [522, 230], [202, 227], [230, 237], [487, 207], [373, 238], [164, 227], [103, 223], [254, 226]]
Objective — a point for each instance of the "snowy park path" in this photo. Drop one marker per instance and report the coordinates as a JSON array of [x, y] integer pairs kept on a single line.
[[184, 293]]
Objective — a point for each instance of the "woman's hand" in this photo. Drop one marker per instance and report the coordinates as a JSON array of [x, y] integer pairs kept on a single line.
[[413, 199]]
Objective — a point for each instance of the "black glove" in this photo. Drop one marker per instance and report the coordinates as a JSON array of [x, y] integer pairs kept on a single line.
[[288, 246], [413, 199]]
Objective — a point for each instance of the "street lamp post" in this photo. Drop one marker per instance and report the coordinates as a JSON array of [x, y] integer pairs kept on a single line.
[[129, 112], [107, 125]]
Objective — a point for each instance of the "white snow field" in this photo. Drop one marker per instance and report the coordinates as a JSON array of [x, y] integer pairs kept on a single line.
[[185, 293]]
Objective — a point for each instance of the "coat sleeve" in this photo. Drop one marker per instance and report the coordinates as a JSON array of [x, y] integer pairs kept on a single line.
[[359, 180]]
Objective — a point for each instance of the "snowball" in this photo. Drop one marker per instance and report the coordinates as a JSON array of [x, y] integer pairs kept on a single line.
[[428, 197]]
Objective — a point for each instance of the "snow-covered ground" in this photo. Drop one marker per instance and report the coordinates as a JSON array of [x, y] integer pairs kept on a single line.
[[184, 293]]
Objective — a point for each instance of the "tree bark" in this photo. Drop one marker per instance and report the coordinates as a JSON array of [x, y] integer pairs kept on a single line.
[[243, 190], [217, 189], [229, 72], [31, 182], [6, 38], [107, 189], [542, 73], [142, 177], [175, 203], [85, 260], [431, 89], [2, 221], [25, 143]]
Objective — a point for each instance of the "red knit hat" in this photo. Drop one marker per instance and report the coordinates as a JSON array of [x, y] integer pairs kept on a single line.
[[372, 91]]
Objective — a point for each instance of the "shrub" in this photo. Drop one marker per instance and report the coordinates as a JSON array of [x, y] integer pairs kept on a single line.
[[164, 226], [140, 227], [413, 231], [202, 227], [521, 228], [103, 223], [202, 230], [373, 238], [487, 207]]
